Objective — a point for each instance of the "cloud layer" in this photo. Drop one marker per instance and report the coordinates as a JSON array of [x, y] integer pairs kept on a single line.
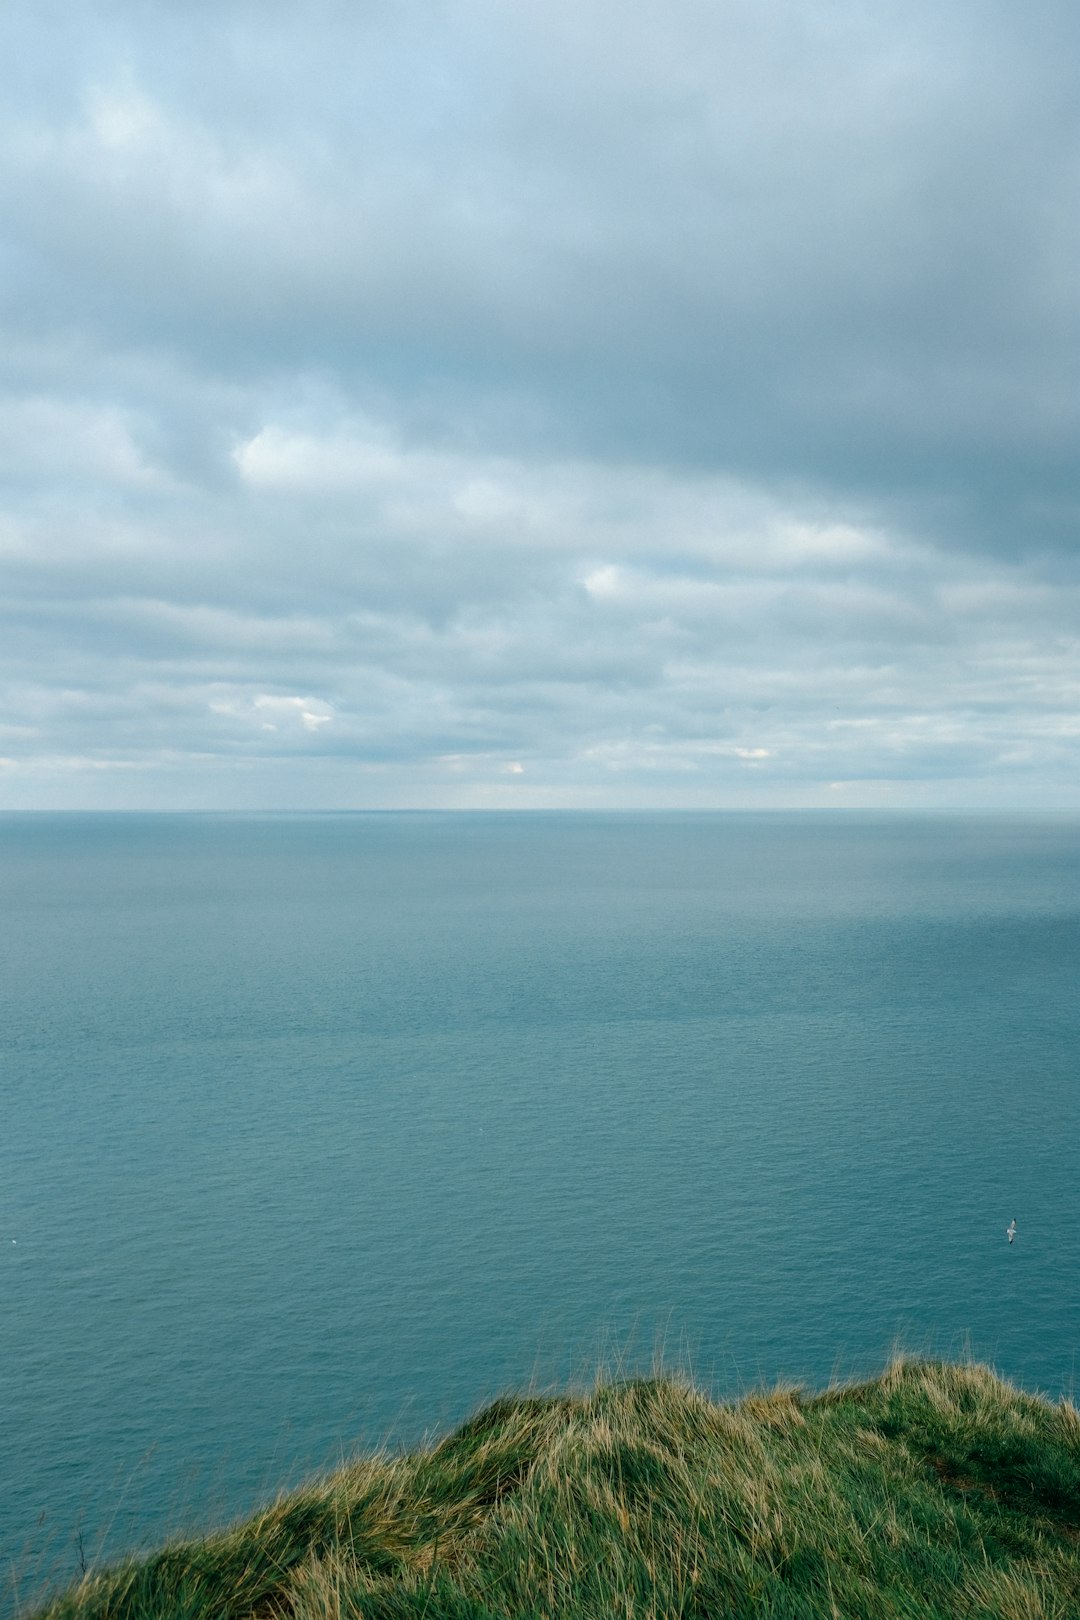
[[470, 404]]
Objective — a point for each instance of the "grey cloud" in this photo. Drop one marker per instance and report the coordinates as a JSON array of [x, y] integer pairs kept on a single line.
[[795, 243], [500, 403]]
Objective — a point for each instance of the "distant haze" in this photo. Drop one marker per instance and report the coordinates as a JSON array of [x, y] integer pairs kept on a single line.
[[463, 403]]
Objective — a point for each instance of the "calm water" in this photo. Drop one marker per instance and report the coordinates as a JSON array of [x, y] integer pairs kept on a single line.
[[317, 1130]]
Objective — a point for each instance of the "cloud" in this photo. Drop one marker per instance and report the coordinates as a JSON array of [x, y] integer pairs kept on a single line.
[[810, 244], [70, 440], [275, 713], [676, 402], [276, 459]]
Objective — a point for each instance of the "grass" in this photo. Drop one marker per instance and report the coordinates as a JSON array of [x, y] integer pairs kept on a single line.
[[935, 1490]]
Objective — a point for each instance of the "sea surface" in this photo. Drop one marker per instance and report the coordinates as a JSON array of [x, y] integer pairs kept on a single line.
[[319, 1131]]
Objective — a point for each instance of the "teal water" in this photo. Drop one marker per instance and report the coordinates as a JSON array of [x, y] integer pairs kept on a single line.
[[320, 1130]]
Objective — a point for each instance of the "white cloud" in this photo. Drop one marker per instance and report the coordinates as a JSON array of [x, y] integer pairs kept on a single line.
[[122, 119], [277, 459], [272, 712]]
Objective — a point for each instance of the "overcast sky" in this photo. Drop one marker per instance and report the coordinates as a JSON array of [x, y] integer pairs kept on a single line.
[[539, 402]]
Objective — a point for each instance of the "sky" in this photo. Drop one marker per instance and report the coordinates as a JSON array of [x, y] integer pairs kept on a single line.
[[496, 403]]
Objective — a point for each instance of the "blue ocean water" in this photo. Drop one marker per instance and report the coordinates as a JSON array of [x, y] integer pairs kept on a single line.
[[321, 1130]]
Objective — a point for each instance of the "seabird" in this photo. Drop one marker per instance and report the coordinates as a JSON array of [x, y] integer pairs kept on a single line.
[[1010, 1230]]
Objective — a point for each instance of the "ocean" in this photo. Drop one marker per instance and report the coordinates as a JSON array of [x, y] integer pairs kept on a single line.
[[316, 1132]]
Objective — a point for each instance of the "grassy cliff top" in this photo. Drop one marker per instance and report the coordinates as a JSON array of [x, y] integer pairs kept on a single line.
[[932, 1491]]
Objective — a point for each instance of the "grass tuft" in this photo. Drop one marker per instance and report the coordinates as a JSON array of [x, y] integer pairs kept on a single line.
[[933, 1491]]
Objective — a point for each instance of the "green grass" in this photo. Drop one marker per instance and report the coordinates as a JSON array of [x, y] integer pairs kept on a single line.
[[935, 1490]]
